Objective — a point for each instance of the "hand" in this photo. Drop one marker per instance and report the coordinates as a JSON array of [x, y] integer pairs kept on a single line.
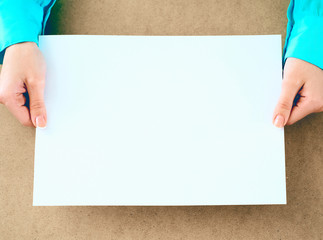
[[302, 92], [22, 83]]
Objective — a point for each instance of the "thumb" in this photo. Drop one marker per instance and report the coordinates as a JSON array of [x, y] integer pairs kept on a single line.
[[302, 109], [290, 88], [37, 105]]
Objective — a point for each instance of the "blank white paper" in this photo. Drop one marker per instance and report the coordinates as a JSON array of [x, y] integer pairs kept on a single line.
[[160, 120]]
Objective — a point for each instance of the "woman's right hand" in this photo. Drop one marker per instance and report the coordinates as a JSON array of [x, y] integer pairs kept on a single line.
[[22, 78]]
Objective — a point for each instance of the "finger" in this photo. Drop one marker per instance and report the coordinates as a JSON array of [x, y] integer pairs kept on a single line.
[[290, 88], [301, 110], [20, 112], [20, 99], [36, 103]]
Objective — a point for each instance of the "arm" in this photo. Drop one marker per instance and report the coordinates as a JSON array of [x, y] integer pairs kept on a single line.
[[304, 39], [23, 71], [22, 21], [302, 86]]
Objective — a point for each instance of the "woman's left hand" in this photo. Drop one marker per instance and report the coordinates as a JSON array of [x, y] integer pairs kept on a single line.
[[301, 94]]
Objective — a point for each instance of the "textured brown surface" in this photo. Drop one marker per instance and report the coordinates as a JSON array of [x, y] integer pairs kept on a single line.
[[301, 218]]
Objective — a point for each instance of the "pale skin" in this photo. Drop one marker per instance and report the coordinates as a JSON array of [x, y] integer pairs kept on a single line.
[[24, 69]]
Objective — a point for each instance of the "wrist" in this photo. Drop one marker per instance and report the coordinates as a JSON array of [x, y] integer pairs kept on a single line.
[[21, 45]]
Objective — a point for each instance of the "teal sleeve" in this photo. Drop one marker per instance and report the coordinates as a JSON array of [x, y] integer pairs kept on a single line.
[[22, 21], [304, 38]]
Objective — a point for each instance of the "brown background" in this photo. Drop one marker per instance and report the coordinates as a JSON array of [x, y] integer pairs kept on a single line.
[[301, 218]]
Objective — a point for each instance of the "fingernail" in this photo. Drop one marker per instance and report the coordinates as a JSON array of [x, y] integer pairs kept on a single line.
[[279, 121], [40, 122]]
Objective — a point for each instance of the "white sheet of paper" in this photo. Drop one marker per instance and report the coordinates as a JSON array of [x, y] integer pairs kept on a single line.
[[160, 120]]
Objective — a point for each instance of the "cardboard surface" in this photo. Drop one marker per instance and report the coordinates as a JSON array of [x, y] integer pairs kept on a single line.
[[301, 218]]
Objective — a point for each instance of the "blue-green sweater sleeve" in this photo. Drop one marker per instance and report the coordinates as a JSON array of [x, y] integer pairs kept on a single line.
[[304, 39], [22, 21]]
